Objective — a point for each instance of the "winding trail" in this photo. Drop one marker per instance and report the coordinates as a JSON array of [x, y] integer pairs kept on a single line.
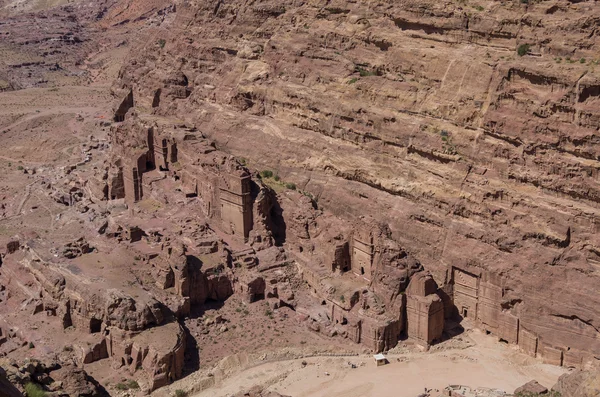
[[24, 200]]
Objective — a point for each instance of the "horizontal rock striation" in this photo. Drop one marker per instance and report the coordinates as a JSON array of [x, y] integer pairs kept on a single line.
[[470, 129]]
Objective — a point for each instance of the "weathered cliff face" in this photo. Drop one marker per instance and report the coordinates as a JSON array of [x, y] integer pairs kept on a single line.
[[61, 42], [133, 328], [579, 384], [423, 115], [7, 389]]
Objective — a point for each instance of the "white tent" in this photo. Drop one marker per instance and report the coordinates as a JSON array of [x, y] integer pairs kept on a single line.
[[380, 359]]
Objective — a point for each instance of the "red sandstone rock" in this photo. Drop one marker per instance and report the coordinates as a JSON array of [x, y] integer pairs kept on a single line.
[[579, 384], [532, 387], [6, 388], [401, 136], [75, 382]]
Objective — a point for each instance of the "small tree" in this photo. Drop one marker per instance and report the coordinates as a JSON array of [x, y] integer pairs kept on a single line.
[[523, 49], [33, 390], [132, 384], [121, 386], [266, 174]]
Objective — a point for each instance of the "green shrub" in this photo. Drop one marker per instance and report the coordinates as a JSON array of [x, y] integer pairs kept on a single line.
[[353, 80], [180, 393], [31, 345], [266, 174], [291, 186], [33, 390], [162, 43], [121, 386], [582, 60], [365, 73], [523, 49], [525, 1], [277, 178], [132, 384], [479, 8], [309, 195]]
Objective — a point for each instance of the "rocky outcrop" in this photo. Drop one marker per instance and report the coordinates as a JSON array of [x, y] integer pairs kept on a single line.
[[468, 130], [579, 384], [65, 380], [75, 382], [7, 389], [258, 392], [400, 162], [531, 388], [76, 248], [159, 353]]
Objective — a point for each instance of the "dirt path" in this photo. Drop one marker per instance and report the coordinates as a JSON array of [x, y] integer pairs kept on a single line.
[[20, 160], [25, 198], [486, 364]]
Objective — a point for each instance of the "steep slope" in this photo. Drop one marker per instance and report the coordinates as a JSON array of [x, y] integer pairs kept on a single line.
[[470, 127]]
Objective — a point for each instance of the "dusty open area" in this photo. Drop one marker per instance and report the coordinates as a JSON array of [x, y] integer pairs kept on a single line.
[[475, 359], [233, 198]]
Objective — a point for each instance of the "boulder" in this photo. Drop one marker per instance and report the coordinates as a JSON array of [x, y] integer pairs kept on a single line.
[[579, 384], [532, 387], [75, 382]]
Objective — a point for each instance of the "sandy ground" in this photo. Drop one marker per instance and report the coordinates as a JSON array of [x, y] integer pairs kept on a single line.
[[487, 363]]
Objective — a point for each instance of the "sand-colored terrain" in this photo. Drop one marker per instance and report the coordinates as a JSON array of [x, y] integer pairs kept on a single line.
[[472, 359]]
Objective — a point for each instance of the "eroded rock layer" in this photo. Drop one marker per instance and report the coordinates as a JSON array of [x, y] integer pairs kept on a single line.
[[469, 129], [368, 171]]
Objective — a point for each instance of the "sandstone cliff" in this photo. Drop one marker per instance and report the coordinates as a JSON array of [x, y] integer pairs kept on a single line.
[[469, 127], [579, 383]]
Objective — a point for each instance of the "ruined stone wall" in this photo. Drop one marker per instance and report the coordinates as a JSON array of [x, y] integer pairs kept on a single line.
[[497, 314], [424, 310], [224, 192], [362, 254], [126, 104], [235, 204], [466, 293], [425, 318], [379, 334]]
